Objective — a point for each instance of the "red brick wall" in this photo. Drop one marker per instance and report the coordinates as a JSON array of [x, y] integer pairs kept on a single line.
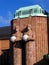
[[39, 26], [41, 37]]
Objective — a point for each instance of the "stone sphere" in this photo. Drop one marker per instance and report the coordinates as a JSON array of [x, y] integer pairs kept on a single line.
[[13, 38], [25, 37]]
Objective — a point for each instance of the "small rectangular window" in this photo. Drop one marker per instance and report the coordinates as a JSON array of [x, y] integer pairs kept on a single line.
[[32, 11], [25, 12], [35, 10], [16, 14]]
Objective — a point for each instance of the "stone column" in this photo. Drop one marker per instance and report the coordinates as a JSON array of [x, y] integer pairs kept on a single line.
[[29, 38], [17, 53], [30, 53], [16, 38]]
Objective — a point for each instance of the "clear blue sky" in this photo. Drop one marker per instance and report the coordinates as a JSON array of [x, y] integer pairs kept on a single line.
[[8, 7]]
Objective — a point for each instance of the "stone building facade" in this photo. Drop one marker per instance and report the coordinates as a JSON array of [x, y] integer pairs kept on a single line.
[[30, 52], [34, 51]]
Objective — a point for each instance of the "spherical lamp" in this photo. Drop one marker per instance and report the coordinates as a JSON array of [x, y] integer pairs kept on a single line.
[[25, 37], [13, 38]]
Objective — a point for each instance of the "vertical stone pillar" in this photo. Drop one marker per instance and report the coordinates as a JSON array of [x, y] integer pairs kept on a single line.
[[30, 53], [30, 46], [17, 46], [17, 54]]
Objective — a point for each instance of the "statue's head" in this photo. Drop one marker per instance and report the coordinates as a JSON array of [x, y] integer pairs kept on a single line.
[[17, 28], [29, 26]]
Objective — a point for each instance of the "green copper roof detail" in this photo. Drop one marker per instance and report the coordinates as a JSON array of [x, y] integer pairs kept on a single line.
[[34, 10]]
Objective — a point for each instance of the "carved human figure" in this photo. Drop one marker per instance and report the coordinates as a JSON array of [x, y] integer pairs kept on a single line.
[[30, 46], [29, 35], [17, 34], [17, 47]]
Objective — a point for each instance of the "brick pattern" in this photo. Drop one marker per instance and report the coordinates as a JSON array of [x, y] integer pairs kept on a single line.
[[30, 53], [37, 49], [30, 46], [17, 54], [41, 37]]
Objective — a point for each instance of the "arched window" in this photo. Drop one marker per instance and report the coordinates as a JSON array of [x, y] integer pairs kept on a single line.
[[32, 11]]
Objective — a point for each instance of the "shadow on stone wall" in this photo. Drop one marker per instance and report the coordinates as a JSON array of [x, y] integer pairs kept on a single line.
[[42, 62], [23, 53], [48, 32]]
